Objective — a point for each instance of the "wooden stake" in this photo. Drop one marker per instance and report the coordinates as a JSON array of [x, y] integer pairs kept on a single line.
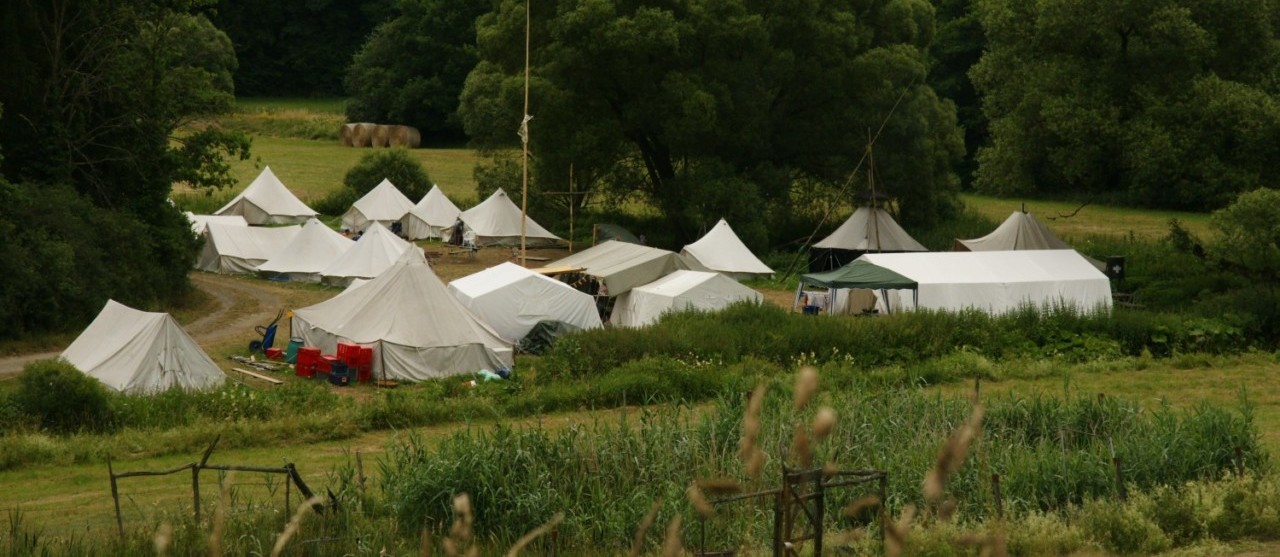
[[115, 496]]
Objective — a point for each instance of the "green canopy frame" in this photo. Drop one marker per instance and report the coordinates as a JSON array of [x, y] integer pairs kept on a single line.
[[861, 274]]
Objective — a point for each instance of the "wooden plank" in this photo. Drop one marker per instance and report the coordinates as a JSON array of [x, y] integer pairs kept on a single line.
[[271, 380]]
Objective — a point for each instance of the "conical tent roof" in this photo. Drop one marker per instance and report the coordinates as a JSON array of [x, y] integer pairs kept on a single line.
[[512, 299], [267, 201], [679, 291], [621, 266], [419, 329], [1020, 231], [312, 250], [240, 249], [721, 251], [869, 229], [384, 203], [431, 217], [496, 221], [376, 250], [141, 352]]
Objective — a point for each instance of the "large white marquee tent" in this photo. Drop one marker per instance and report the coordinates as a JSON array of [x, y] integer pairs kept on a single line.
[[721, 250], [267, 201], [432, 217], [141, 352], [679, 291], [419, 330], [311, 251], [496, 221], [994, 281], [240, 249], [383, 204], [512, 299]]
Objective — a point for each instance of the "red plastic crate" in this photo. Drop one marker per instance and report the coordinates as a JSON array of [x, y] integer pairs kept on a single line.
[[308, 359], [348, 352], [325, 363], [275, 354]]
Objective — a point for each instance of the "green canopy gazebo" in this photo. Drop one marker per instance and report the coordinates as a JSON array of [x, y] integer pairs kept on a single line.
[[859, 274]]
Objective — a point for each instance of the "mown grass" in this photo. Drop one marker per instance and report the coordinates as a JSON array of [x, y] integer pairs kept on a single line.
[[1091, 220]]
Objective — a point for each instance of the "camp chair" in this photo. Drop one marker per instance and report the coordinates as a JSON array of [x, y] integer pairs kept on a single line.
[[268, 334]]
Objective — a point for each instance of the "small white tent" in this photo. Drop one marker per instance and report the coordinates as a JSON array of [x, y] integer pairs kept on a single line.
[[311, 251], [419, 330], [679, 291], [141, 352], [372, 254], [384, 204], [995, 281], [240, 249], [512, 299], [200, 222], [267, 201], [721, 251], [432, 217], [621, 266], [496, 221]]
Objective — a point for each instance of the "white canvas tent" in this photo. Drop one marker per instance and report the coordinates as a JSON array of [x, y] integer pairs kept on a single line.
[[496, 221], [419, 330], [240, 249], [372, 254], [311, 251], [994, 281], [621, 266], [267, 201], [871, 230], [200, 222], [384, 204], [679, 291], [1021, 231], [721, 251], [512, 299], [141, 352], [432, 217]]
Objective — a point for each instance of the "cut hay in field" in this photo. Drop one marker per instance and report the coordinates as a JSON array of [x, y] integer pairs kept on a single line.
[[345, 134], [362, 134], [381, 135], [405, 136]]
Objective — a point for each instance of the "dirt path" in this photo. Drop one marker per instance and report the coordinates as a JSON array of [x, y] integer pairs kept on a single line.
[[240, 304]]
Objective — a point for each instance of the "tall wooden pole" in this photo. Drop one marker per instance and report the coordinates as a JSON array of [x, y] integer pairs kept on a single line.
[[524, 140], [572, 201]]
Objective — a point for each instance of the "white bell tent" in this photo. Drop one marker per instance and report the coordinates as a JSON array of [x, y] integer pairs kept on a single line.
[[240, 249], [721, 251], [312, 250], [200, 222], [375, 251], [267, 201], [432, 217], [496, 222], [384, 204]]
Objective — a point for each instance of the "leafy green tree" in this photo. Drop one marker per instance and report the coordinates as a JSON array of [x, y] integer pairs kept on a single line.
[[725, 101], [396, 165], [1248, 235], [101, 102], [297, 48], [955, 51], [412, 68], [1167, 103]]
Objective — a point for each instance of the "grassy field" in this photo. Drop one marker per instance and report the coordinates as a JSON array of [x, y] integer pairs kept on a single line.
[[1091, 220]]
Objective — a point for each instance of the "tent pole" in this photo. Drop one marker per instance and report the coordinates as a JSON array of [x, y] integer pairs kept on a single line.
[[524, 141]]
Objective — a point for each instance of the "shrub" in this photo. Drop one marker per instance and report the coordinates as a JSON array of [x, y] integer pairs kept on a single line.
[[1250, 508], [62, 398], [1122, 528], [396, 165], [337, 202]]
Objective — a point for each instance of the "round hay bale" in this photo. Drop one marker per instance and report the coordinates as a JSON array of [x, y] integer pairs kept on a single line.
[[345, 133], [381, 136], [405, 136], [361, 134]]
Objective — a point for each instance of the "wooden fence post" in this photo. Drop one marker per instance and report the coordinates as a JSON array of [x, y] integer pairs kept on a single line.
[[115, 496], [995, 488]]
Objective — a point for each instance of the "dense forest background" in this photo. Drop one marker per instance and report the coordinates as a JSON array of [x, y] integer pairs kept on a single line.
[[701, 109]]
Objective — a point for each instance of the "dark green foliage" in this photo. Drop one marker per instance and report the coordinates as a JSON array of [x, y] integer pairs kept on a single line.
[[958, 47], [89, 133], [396, 165], [336, 202], [411, 69], [63, 257], [718, 109], [1165, 104], [297, 48], [62, 399], [605, 475], [773, 334]]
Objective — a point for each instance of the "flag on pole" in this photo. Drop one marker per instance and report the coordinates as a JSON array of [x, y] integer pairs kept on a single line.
[[524, 129]]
